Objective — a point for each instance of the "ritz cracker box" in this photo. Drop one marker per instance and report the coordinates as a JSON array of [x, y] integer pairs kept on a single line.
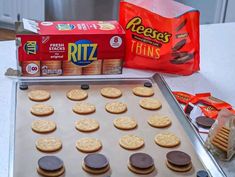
[[69, 48], [161, 35]]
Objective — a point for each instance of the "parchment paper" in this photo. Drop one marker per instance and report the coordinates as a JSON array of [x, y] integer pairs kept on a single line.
[[26, 154]]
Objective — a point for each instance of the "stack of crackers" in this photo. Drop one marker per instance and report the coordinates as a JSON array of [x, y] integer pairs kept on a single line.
[[221, 139]]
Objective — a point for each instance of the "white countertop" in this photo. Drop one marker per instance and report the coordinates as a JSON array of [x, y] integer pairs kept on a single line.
[[216, 76]]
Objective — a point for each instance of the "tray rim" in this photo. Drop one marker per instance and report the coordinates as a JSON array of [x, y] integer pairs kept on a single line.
[[206, 158]]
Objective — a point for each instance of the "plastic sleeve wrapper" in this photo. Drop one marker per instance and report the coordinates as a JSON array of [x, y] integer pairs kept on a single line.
[[225, 119]]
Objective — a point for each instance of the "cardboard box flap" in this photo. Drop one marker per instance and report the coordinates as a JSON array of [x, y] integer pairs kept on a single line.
[[30, 25]]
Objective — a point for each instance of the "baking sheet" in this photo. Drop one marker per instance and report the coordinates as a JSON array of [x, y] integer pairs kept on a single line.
[[26, 155]]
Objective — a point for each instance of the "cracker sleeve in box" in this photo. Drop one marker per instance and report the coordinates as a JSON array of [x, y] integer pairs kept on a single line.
[[221, 137], [70, 48], [161, 35]]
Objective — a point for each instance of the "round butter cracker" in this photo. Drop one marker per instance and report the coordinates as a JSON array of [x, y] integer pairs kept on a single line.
[[49, 144], [88, 144], [131, 142], [39, 95], [84, 108], [77, 94], [87, 124], [43, 126], [125, 123], [159, 121], [111, 92], [42, 110], [178, 168], [141, 171], [116, 107], [93, 171], [51, 174], [143, 91], [150, 103], [167, 139]]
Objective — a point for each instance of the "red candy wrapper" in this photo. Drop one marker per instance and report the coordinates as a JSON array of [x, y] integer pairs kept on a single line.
[[183, 97], [215, 102], [209, 105], [209, 111]]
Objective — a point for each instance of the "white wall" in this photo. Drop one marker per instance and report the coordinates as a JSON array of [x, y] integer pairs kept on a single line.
[[212, 11], [230, 13]]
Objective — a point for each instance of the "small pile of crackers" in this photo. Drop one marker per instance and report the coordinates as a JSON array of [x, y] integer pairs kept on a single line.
[[220, 140], [97, 163]]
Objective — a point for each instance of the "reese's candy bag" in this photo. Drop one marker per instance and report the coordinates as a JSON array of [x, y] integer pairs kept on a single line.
[[161, 35]]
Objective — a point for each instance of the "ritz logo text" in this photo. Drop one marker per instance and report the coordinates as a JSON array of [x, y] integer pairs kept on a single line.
[[30, 47], [82, 52]]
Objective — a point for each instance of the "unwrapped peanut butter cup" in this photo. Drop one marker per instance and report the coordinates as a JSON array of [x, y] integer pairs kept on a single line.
[[204, 121]]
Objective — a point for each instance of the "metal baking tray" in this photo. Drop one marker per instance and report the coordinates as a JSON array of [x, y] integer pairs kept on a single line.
[[24, 155]]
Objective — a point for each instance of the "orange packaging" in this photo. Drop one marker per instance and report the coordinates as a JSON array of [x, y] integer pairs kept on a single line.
[[183, 97], [209, 111], [161, 35], [215, 102]]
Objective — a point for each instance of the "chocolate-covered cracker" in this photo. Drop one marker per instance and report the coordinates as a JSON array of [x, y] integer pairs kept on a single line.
[[141, 161], [96, 161], [50, 163], [178, 158]]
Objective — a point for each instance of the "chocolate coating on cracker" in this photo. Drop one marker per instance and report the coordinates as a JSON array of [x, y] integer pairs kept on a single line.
[[178, 158], [96, 161], [141, 161], [204, 121], [50, 163]]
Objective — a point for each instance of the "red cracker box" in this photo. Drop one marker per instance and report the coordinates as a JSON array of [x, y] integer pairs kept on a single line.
[[70, 48]]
